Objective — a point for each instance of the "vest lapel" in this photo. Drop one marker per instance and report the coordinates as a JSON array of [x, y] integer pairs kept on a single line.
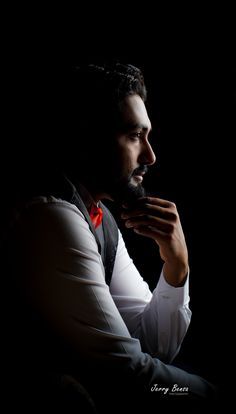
[[77, 200], [107, 249]]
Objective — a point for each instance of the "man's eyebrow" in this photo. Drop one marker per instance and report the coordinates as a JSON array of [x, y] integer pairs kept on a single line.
[[138, 126]]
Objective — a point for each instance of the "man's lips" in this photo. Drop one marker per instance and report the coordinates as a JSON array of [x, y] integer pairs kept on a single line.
[[138, 178], [139, 173]]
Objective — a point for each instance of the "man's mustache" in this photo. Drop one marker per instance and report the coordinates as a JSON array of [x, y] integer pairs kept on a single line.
[[143, 169]]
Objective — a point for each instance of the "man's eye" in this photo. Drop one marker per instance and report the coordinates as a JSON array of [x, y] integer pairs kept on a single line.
[[136, 135]]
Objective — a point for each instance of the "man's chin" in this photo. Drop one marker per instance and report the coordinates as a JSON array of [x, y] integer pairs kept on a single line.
[[128, 194]]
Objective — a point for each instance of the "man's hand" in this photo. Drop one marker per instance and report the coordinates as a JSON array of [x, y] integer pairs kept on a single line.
[[159, 220]]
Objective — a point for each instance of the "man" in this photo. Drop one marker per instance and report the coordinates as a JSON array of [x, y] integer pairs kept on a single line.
[[81, 303]]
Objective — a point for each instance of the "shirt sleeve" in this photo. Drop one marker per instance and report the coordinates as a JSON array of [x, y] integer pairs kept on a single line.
[[61, 272], [159, 320]]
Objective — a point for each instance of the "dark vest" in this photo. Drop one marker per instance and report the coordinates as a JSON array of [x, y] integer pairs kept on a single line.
[[106, 235]]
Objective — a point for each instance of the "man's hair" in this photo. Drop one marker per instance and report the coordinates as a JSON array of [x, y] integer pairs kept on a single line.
[[119, 80], [96, 92]]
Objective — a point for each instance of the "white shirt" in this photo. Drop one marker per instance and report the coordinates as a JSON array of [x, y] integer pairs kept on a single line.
[[65, 279]]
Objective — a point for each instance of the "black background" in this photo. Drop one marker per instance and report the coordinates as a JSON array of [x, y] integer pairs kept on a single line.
[[190, 77]]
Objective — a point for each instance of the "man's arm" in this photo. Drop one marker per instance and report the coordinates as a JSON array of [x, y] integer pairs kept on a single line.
[[159, 320], [159, 220]]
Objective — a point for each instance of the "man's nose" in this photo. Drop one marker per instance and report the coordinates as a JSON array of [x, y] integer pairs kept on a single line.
[[147, 155]]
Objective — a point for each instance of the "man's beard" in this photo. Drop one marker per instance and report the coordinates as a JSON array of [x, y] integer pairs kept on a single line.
[[124, 192]]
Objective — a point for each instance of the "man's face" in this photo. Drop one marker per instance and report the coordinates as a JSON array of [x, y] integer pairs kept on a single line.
[[133, 152], [118, 162]]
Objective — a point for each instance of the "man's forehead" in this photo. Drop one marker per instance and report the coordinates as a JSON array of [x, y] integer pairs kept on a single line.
[[134, 113]]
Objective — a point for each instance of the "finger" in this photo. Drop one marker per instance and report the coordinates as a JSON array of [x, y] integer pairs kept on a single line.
[[155, 234], [157, 201], [150, 209], [133, 213], [142, 201], [146, 221]]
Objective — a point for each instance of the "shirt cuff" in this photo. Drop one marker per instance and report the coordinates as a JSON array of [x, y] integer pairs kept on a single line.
[[180, 294]]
